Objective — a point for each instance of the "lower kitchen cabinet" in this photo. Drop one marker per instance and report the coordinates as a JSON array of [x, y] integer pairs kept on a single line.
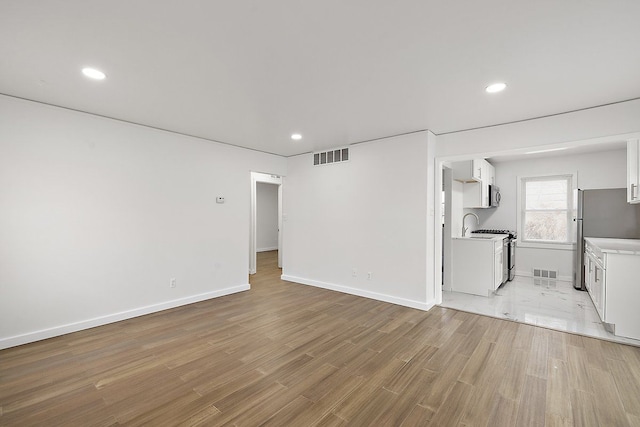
[[477, 264], [612, 269], [497, 268], [595, 279]]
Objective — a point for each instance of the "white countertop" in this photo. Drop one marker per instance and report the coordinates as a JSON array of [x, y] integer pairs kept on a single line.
[[483, 237], [619, 246]]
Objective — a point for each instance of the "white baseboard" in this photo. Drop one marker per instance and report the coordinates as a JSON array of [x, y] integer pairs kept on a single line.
[[273, 248], [361, 293], [115, 317]]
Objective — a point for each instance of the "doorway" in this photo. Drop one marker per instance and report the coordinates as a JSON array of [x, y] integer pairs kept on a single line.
[[266, 217]]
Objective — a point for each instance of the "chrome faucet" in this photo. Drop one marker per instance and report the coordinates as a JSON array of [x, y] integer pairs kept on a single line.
[[464, 229]]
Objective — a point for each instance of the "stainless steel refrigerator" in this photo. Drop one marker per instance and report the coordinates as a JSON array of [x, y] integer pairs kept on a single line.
[[602, 213]]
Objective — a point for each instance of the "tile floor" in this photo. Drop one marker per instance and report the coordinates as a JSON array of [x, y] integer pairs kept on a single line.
[[553, 304]]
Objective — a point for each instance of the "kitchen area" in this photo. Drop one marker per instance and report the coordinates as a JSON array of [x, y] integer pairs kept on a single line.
[[516, 245]]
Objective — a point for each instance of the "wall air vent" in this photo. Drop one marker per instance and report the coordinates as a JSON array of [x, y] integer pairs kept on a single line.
[[546, 274], [545, 277], [336, 155]]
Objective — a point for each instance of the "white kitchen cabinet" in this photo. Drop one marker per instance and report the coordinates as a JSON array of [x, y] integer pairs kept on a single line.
[[498, 267], [473, 195], [476, 176], [475, 170], [489, 179], [467, 171], [598, 289], [476, 266], [491, 173], [588, 270], [480, 169], [633, 171], [612, 271], [595, 278]]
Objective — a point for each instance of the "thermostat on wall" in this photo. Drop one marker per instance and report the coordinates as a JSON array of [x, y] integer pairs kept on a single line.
[[219, 199]]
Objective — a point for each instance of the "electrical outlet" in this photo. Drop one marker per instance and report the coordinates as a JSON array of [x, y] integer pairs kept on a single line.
[[369, 274], [354, 272], [172, 283]]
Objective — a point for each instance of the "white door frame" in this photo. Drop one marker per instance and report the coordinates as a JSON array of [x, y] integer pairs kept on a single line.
[[257, 177]]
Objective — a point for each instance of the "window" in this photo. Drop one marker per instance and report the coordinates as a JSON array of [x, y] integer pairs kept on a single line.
[[546, 210]]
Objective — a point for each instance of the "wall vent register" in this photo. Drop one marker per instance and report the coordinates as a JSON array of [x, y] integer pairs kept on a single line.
[[545, 278], [545, 274], [336, 155]]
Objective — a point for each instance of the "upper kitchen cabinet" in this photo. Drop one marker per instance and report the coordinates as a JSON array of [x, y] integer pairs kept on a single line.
[[475, 170], [476, 176], [490, 173], [633, 170]]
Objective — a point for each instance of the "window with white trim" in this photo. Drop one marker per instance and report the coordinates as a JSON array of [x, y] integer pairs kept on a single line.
[[546, 209]]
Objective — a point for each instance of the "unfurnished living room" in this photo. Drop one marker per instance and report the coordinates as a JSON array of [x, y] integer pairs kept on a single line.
[[336, 213]]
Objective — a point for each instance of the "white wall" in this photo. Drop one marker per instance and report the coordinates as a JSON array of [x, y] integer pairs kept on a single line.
[[368, 214], [607, 169], [266, 217], [97, 215], [600, 122], [453, 223]]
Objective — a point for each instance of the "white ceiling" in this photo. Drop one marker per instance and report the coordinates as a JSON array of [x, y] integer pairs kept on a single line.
[[250, 73]]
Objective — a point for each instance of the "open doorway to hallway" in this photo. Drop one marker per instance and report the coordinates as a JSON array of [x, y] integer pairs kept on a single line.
[[266, 218], [267, 270], [266, 223]]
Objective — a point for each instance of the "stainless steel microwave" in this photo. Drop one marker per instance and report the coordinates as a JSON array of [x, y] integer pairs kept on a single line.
[[494, 196]]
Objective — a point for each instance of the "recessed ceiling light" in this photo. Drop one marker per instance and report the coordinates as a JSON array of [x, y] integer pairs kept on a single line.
[[547, 151], [92, 73], [296, 137], [496, 87]]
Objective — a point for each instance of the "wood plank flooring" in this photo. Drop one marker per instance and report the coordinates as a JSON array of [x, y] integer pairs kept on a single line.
[[284, 354]]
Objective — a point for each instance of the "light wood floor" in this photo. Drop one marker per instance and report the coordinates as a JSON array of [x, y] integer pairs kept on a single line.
[[284, 354]]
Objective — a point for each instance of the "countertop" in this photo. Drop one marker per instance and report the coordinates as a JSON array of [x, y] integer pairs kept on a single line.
[[616, 246], [483, 237]]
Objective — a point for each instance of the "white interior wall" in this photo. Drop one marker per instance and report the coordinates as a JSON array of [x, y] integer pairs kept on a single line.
[[266, 217], [457, 209], [453, 223], [97, 216], [607, 169], [367, 214], [598, 122], [433, 182]]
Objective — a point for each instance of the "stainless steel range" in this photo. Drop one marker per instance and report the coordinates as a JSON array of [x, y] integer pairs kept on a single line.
[[508, 252]]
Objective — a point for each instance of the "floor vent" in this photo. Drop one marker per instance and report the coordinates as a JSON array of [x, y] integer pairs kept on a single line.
[[336, 155], [545, 274]]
